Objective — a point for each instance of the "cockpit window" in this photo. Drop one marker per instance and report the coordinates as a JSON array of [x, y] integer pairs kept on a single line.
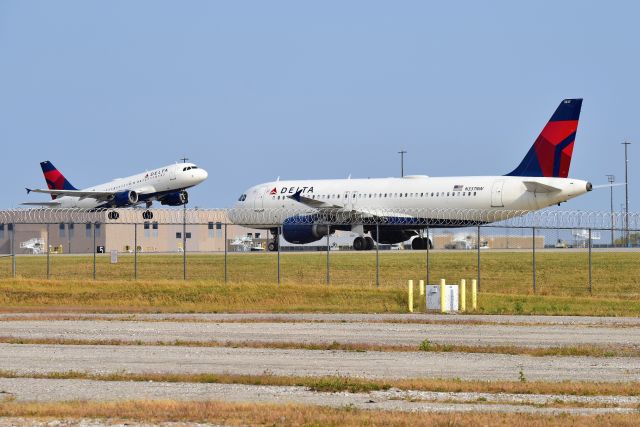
[[242, 198]]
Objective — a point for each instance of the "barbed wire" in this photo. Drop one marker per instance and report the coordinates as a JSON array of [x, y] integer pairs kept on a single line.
[[420, 218]]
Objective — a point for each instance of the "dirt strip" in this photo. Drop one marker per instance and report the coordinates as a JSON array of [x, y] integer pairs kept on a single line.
[[338, 317], [28, 358], [388, 334]]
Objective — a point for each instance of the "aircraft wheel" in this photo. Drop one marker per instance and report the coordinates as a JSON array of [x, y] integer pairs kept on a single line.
[[418, 244], [113, 215], [272, 247], [147, 215], [369, 245], [359, 243]]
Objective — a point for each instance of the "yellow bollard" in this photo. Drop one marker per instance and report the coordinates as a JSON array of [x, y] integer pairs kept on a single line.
[[410, 296], [463, 295], [474, 294], [442, 291], [421, 287]]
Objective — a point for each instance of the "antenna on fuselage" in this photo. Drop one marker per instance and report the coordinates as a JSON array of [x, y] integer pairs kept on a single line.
[[278, 178], [184, 159]]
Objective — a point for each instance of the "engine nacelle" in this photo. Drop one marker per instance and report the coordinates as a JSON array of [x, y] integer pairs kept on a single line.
[[304, 233], [125, 198], [392, 236], [178, 198]]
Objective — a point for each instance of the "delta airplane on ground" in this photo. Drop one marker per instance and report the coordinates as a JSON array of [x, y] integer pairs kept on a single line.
[[166, 185], [538, 182]]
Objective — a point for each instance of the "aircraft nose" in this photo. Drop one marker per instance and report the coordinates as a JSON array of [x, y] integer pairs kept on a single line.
[[203, 174]]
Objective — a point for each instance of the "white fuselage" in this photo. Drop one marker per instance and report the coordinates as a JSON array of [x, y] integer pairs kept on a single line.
[[497, 194], [149, 185]]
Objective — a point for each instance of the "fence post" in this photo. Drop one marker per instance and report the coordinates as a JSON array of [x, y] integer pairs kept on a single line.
[[377, 254], [328, 263], [184, 242], [428, 265], [94, 251], [278, 245], [225, 253], [135, 251], [590, 263], [13, 250], [533, 263], [48, 252], [478, 245]]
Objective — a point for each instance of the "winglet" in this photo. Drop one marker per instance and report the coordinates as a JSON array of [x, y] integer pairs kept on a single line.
[[28, 190], [296, 196]]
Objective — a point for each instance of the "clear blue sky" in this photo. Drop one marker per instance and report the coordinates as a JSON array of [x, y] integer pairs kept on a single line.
[[255, 90]]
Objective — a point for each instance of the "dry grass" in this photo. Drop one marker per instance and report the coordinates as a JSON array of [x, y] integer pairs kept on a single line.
[[290, 415], [579, 350], [123, 296], [360, 385]]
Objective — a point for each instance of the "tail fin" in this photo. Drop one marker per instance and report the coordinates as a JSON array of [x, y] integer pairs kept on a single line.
[[550, 155], [55, 179]]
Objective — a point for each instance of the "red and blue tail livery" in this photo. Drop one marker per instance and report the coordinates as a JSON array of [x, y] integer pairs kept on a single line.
[[550, 155], [55, 179]]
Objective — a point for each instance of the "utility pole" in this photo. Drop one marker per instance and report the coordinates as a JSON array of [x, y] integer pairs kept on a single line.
[[611, 179], [626, 194], [402, 153]]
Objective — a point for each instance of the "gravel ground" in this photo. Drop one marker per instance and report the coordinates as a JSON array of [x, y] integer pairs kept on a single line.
[[543, 335], [395, 400], [24, 358], [339, 317]]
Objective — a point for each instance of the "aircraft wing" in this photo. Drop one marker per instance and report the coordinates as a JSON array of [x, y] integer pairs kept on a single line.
[[538, 187], [313, 203], [98, 195], [42, 204]]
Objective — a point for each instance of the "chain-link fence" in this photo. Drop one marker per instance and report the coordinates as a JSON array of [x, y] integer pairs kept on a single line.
[[544, 252]]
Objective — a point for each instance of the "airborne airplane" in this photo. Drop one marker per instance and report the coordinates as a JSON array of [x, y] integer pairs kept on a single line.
[[166, 185], [538, 182]]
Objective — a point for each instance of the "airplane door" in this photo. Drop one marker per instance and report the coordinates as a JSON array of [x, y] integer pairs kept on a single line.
[[258, 199], [496, 194], [351, 199], [172, 173]]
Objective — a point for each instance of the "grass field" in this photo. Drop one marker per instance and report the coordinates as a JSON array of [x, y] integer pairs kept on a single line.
[[614, 274], [506, 282], [214, 296]]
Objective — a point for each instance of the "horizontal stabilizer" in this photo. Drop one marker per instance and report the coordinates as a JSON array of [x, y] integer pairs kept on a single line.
[[538, 187]]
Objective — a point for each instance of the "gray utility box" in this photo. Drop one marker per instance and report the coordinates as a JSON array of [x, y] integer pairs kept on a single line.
[[450, 297]]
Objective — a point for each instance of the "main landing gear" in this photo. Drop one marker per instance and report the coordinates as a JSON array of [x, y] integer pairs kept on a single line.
[[421, 243], [272, 246], [147, 214], [363, 243], [113, 215]]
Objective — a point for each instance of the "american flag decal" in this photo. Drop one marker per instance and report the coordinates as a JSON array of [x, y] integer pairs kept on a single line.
[[457, 188]]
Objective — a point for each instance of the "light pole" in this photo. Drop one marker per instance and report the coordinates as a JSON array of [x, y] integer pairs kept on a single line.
[[611, 179], [626, 194], [402, 153]]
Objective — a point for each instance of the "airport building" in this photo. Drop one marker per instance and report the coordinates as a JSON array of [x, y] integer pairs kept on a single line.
[[149, 236]]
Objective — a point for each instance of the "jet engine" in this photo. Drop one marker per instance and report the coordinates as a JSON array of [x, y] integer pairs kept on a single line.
[[304, 233], [178, 198], [125, 198]]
